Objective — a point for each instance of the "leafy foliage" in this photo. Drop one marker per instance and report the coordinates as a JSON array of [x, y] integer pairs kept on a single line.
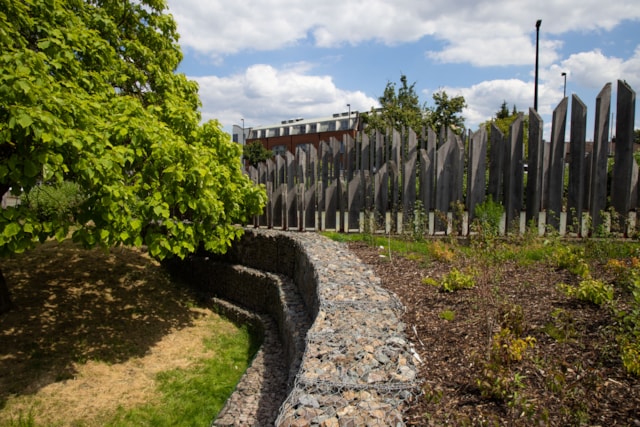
[[254, 152], [89, 94], [401, 109], [447, 113], [50, 201]]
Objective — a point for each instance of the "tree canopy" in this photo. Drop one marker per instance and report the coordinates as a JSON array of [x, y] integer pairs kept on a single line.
[[89, 94], [254, 152], [401, 108]]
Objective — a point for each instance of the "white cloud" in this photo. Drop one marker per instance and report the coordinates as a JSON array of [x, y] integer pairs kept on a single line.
[[593, 69], [482, 32], [263, 95]]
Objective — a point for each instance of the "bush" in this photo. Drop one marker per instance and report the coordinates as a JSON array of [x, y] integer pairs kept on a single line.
[[54, 201], [488, 216]]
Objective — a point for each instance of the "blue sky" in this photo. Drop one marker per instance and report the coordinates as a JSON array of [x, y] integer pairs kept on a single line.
[[279, 59]]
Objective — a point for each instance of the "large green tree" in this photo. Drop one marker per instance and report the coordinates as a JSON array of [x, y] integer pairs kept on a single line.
[[89, 94]]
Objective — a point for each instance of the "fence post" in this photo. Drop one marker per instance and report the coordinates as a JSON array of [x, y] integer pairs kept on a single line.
[[623, 166], [476, 172], [497, 150], [513, 176], [555, 188], [534, 167], [577, 142], [599, 156]]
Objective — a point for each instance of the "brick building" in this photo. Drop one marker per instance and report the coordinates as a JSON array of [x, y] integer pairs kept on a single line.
[[289, 134]]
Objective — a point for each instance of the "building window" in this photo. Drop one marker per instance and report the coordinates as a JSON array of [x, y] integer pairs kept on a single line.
[[273, 132], [344, 124], [313, 128], [279, 149], [285, 131], [331, 126], [235, 137]]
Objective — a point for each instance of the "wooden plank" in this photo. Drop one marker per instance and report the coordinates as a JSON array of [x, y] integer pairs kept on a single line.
[[513, 176], [497, 148], [577, 165], [476, 176], [600, 151], [555, 189], [534, 167], [621, 182]]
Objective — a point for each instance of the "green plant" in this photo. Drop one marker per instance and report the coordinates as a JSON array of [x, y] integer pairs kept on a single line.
[[562, 327], [54, 201], [452, 281], [447, 315], [418, 222], [512, 318], [488, 216], [630, 355], [589, 290], [572, 258], [496, 380]]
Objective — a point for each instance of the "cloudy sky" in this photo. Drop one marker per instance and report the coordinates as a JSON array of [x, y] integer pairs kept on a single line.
[[271, 60]]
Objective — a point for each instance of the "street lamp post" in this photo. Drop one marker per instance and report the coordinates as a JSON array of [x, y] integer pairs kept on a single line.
[[564, 91], [535, 95]]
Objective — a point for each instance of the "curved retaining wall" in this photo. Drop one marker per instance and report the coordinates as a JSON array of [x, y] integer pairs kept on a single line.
[[346, 359]]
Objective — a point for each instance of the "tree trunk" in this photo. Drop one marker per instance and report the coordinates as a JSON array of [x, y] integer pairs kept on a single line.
[[5, 296]]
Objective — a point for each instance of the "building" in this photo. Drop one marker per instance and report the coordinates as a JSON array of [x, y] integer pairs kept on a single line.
[[290, 134], [239, 134]]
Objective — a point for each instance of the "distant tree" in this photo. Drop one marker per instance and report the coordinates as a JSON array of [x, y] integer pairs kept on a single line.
[[254, 152], [637, 136], [503, 123], [89, 94], [398, 109], [447, 113], [503, 112], [401, 109]]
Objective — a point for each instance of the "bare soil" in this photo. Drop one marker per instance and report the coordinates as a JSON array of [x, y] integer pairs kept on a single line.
[[576, 380], [90, 331]]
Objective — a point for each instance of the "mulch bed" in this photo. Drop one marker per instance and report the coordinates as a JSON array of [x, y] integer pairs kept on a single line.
[[575, 380]]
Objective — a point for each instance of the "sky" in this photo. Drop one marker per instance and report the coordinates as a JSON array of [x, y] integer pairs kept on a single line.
[[261, 62]]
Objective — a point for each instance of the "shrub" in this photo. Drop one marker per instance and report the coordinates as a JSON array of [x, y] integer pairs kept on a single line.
[[590, 290], [488, 215], [54, 201], [452, 281]]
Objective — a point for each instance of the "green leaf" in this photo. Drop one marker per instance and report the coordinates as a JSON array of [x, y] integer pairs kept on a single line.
[[30, 169], [24, 120], [11, 229]]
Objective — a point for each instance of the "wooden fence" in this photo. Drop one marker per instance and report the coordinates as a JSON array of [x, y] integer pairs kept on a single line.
[[386, 180]]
